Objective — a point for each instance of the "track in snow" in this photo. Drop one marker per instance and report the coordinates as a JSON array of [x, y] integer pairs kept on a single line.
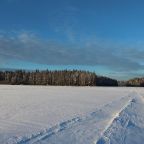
[[128, 126], [79, 130]]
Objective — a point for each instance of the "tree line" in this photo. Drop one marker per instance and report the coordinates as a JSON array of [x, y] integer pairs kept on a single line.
[[137, 82], [61, 77]]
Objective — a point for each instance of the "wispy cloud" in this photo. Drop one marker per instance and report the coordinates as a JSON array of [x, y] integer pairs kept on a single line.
[[26, 46]]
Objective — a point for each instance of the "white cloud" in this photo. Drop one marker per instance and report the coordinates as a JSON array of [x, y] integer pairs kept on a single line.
[[27, 46]]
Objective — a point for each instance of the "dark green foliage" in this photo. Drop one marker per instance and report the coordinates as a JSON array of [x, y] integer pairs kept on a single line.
[[104, 81], [1, 76]]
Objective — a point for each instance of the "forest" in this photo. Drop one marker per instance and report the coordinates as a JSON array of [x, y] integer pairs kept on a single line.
[[61, 78], [137, 82]]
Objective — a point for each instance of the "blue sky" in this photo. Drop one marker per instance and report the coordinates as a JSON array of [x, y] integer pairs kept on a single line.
[[104, 36]]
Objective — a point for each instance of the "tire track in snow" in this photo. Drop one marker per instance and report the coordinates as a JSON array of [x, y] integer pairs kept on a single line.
[[85, 128], [128, 126], [44, 133]]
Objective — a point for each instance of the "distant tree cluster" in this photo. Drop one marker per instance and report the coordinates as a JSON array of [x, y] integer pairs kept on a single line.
[[104, 81], [137, 82], [73, 78], [122, 83], [62, 78]]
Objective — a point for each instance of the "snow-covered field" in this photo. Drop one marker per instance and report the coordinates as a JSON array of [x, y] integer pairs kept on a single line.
[[71, 115]]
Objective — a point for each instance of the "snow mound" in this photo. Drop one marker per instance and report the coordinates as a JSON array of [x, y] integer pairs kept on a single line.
[[128, 127]]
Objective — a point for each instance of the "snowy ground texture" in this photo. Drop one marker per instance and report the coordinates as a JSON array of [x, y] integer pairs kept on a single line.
[[71, 115]]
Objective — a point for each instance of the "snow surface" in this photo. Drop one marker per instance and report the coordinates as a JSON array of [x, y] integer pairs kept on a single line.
[[128, 127], [71, 115]]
